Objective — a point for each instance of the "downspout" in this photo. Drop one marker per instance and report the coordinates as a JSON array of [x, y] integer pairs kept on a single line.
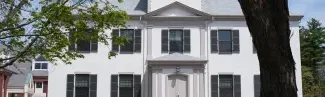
[[144, 68], [208, 27]]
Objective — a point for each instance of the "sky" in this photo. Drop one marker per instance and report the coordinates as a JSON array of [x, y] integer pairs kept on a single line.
[[309, 8]]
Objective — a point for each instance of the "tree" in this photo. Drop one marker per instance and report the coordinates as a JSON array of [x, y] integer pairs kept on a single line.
[[48, 27], [268, 23], [312, 57]]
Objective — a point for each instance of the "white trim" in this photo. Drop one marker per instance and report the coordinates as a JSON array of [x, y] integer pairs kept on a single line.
[[226, 73], [131, 73], [79, 72]]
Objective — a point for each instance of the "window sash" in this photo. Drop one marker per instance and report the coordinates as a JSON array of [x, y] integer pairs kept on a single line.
[[41, 66], [176, 41], [39, 84], [134, 41]]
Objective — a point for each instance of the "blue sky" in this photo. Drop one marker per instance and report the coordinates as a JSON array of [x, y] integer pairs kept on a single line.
[[309, 8]]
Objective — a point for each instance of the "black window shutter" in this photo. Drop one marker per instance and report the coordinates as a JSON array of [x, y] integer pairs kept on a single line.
[[72, 46], [94, 46], [187, 41], [235, 41], [257, 86], [93, 85], [115, 47], [164, 41], [137, 86], [237, 86], [214, 86], [114, 85], [137, 40], [214, 41], [70, 85]]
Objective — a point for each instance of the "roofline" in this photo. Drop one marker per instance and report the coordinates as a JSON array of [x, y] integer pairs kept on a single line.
[[216, 17]]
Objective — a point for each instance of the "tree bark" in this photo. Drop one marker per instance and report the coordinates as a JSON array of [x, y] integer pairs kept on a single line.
[[268, 23]]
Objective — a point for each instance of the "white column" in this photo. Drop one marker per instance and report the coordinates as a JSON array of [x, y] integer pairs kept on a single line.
[[195, 83], [202, 42], [154, 83], [201, 82], [159, 83], [149, 42]]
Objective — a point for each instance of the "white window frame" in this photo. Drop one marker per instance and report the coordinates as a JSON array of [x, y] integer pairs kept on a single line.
[[41, 62]]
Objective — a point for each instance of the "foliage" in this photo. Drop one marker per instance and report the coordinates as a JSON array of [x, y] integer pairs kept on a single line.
[[312, 41], [29, 28]]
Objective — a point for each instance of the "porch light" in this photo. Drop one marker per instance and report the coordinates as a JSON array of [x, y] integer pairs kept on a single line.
[[177, 69]]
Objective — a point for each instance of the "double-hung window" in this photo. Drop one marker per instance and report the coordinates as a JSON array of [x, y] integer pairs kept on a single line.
[[225, 86], [225, 41], [81, 85], [83, 45], [175, 41], [126, 85], [134, 40]]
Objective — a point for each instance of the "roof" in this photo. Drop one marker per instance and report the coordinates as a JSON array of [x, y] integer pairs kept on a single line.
[[40, 73], [177, 58], [23, 75], [132, 7], [211, 7]]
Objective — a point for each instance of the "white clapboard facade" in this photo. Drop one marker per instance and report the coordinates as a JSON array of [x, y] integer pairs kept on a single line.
[[178, 48]]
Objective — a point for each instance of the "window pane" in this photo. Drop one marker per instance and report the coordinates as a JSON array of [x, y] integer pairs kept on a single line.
[[82, 80], [83, 45], [37, 65], [82, 92], [224, 35], [225, 47], [126, 85], [39, 84], [44, 65], [226, 86], [176, 41], [129, 34]]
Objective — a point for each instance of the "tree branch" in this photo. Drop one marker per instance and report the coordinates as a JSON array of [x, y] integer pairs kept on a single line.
[[21, 54], [19, 26]]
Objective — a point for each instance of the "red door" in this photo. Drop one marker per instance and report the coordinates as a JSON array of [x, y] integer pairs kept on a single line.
[[45, 87]]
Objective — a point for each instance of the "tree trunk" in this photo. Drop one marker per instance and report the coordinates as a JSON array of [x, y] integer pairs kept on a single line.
[[268, 23]]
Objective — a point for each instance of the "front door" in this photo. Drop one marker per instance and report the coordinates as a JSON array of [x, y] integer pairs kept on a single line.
[[176, 86]]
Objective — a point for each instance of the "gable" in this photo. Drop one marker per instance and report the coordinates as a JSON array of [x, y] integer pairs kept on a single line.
[[177, 9]]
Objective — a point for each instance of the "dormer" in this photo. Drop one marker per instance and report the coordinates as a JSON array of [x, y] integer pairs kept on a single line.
[[40, 63]]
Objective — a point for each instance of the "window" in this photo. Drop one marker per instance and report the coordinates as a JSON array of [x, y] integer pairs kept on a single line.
[[257, 85], [175, 41], [225, 86], [81, 85], [225, 41], [12, 95], [134, 40], [39, 84], [41, 66], [126, 85], [84, 46]]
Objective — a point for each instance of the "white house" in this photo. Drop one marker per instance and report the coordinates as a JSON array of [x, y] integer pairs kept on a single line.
[[178, 48]]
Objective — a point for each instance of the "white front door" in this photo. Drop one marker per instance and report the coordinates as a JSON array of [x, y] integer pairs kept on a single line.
[[176, 86]]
